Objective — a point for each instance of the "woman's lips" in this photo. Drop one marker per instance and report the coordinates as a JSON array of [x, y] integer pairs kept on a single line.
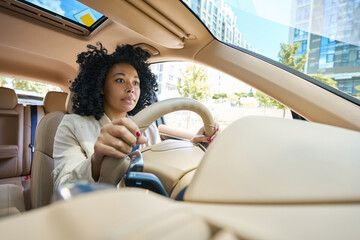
[[128, 100]]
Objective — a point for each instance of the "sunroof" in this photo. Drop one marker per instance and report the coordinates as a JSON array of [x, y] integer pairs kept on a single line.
[[68, 13]]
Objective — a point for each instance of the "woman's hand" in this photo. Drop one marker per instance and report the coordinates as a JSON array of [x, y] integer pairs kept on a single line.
[[200, 136], [116, 139]]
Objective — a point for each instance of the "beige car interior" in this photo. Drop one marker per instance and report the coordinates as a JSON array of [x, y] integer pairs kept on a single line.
[[15, 154], [293, 192], [261, 178]]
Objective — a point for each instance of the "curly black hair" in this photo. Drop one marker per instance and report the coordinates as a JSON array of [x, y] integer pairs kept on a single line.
[[94, 66]]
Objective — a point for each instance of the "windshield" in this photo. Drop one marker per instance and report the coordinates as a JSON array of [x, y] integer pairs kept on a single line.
[[320, 38]]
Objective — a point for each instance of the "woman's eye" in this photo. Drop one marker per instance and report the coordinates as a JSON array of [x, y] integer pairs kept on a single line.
[[120, 80]]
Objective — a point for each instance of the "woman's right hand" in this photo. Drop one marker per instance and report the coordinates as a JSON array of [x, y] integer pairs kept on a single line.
[[116, 139]]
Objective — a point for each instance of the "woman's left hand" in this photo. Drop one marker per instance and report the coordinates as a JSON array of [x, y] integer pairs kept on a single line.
[[200, 136]]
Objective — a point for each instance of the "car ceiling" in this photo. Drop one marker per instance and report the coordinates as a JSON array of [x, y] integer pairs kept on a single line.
[[48, 53]]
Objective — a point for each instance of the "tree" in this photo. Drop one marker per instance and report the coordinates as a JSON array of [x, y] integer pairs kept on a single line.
[[267, 101], [2, 81], [288, 55], [217, 96], [358, 93], [329, 81], [240, 95], [29, 86], [193, 83]]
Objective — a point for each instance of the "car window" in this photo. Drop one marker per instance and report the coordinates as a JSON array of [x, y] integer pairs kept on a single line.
[[226, 97], [318, 38], [28, 92]]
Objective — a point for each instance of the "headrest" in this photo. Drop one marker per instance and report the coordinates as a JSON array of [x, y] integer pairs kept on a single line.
[[270, 160], [69, 103], [55, 101], [8, 98]]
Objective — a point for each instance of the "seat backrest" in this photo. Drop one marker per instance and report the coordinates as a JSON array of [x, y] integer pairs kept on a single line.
[[11, 137], [43, 162], [53, 101]]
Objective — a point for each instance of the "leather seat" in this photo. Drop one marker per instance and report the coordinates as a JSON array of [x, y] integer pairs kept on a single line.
[[11, 137], [43, 162], [11, 150]]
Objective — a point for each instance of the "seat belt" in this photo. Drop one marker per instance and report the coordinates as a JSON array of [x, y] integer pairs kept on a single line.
[[33, 109]]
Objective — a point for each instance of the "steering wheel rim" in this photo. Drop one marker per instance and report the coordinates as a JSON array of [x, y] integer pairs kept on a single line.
[[113, 169], [147, 116]]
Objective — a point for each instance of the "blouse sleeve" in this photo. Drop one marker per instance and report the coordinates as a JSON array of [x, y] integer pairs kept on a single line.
[[70, 161], [152, 134]]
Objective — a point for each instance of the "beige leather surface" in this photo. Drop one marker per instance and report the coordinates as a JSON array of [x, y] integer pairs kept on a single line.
[[43, 163], [69, 103], [123, 11], [113, 169], [134, 214], [272, 160], [182, 183], [8, 98], [10, 165], [15, 181], [167, 131], [55, 101], [170, 160], [148, 115], [4, 212], [11, 200], [11, 137]]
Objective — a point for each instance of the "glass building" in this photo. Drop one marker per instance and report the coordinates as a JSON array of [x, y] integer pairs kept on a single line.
[[335, 55]]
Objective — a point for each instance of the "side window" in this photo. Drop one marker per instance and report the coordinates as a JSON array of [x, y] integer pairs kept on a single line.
[[28, 92], [226, 97]]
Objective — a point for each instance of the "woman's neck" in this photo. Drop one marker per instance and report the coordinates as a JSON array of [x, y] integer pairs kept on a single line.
[[114, 115]]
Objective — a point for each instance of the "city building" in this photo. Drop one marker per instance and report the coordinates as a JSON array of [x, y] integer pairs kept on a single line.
[[220, 19], [336, 55]]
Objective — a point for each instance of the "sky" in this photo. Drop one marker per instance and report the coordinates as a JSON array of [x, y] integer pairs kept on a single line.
[[253, 21], [67, 8]]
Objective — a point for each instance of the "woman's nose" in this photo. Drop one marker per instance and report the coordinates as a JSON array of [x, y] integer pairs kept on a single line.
[[129, 88]]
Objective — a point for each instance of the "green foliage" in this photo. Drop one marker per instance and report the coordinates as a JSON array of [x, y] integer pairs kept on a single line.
[[29, 86], [358, 93], [267, 101], [287, 56], [217, 96], [193, 83], [2, 81], [240, 95], [329, 81]]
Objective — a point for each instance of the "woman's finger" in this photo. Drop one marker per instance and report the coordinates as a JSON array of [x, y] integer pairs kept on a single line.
[[200, 138], [120, 132], [129, 124], [106, 150]]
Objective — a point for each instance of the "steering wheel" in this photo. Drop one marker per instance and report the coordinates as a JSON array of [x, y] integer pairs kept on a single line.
[[113, 169]]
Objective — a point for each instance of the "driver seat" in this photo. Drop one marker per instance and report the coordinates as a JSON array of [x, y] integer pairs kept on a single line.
[[41, 188]]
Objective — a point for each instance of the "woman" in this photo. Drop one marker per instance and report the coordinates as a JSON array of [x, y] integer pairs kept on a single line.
[[108, 89]]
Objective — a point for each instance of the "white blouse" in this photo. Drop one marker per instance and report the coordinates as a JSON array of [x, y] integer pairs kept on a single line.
[[74, 146]]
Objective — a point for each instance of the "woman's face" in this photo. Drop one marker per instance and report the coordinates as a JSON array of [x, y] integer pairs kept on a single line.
[[121, 90]]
